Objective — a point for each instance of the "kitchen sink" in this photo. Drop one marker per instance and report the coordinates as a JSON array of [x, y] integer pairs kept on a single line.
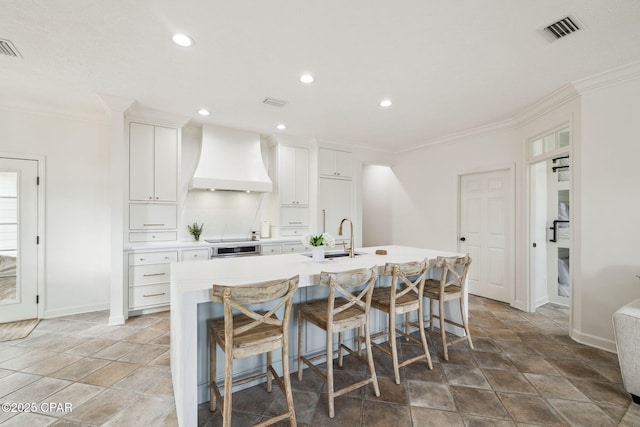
[[338, 254]]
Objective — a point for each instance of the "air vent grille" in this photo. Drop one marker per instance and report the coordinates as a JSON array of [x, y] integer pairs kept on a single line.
[[275, 102], [562, 28], [7, 48]]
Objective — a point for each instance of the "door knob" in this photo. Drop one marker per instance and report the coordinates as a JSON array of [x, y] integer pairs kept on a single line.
[[463, 239]]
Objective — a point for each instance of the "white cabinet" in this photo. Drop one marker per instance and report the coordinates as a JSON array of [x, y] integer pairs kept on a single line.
[[149, 278], [195, 255], [334, 204], [153, 182], [294, 176], [153, 163], [335, 163], [271, 249], [148, 216]]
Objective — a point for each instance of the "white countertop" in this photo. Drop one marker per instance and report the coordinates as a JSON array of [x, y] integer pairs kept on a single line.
[[192, 244], [195, 276]]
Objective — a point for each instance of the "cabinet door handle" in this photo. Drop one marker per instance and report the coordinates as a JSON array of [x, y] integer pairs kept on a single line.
[[154, 295], [295, 222], [153, 274], [153, 225], [324, 220]]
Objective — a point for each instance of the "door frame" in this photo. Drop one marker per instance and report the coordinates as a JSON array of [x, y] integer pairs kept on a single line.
[[529, 162], [511, 215], [41, 191]]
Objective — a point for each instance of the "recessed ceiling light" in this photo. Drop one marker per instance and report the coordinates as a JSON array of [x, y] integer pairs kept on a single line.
[[182, 40], [281, 126], [385, 103], [306, 78], [204, 112]]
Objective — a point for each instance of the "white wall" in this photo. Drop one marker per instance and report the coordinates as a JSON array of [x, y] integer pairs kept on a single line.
[[609, 206], [77, 228], [378, 183], [426, 195]]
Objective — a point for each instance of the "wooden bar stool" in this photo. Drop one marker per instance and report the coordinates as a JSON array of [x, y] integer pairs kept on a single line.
[[347, 307], [451, 286], [248, 333], [404, 296]]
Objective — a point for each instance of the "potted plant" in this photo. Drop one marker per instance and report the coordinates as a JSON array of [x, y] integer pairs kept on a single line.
[[195, 230], [317, 243]]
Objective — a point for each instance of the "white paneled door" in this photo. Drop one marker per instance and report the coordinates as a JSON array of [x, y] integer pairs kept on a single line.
[[486, 227], [18, 234]]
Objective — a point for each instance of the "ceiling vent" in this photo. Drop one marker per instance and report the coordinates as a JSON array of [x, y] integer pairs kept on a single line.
[[275, 102], [562, 28], [7, 48]]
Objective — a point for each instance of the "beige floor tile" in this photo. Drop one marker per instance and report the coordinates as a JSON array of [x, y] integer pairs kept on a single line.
[[142, 321], [80, 369], [163, 360], [117, 350], [164, 339], [20, 362], [9, 352], [110, 374], [29, 419], [144, 336], [75, 395], [144, 354], [147, 411], [90, 346], [36, 391], [102, 407], [56, 362], [143, 378], [16, 381], [163, 325]]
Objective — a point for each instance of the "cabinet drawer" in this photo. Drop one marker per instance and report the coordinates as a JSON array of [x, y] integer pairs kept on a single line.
[[149, 274], [142, 296], [293, 231], [153, 236], [271, 249], [143, 258], [295, 248], [294, 217], [146, 216], [195, 255]]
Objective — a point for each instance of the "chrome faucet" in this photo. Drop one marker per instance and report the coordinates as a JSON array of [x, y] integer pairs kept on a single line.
[[350, 238]]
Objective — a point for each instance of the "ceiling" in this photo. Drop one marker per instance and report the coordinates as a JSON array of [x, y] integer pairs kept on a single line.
[[448, 66]]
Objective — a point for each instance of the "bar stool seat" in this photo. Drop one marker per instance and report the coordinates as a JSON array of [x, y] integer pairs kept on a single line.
[[250, 332]]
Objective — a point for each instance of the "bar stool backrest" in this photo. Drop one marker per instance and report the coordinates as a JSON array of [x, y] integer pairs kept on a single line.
[[239, 297], [341, 285], [454, 271], [405, 274]]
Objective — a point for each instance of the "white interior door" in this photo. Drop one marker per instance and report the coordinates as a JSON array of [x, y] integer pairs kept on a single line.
[[486, 230], [18, 234]]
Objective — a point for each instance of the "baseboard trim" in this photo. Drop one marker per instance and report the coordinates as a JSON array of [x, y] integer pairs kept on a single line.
[[594, 341], [79, 309]]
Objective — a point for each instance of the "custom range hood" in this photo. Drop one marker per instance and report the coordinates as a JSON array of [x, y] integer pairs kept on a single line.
[[230, 159]]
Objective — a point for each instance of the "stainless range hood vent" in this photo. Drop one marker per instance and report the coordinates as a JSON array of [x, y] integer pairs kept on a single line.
[[231, 160]]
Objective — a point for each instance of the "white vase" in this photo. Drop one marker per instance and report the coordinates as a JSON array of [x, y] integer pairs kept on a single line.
[[317, 253]]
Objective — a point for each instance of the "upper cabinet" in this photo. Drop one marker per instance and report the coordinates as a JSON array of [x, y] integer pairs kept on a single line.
[[153, 163], [335, 163], [294, 176]]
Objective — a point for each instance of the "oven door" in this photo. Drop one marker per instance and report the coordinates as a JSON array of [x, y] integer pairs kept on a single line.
[[235, 251]]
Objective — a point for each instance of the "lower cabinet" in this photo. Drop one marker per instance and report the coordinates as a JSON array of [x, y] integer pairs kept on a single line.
[[149, 278], [284, 248]]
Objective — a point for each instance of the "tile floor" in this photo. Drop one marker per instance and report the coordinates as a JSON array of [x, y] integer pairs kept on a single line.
[[524, 370]]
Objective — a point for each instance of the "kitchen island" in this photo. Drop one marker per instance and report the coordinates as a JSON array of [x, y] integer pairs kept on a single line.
[[190, 308]]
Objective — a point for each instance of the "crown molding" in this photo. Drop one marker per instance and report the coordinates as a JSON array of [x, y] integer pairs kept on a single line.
[[143, 113], [479, 130], [608, 78], [30, 107]]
